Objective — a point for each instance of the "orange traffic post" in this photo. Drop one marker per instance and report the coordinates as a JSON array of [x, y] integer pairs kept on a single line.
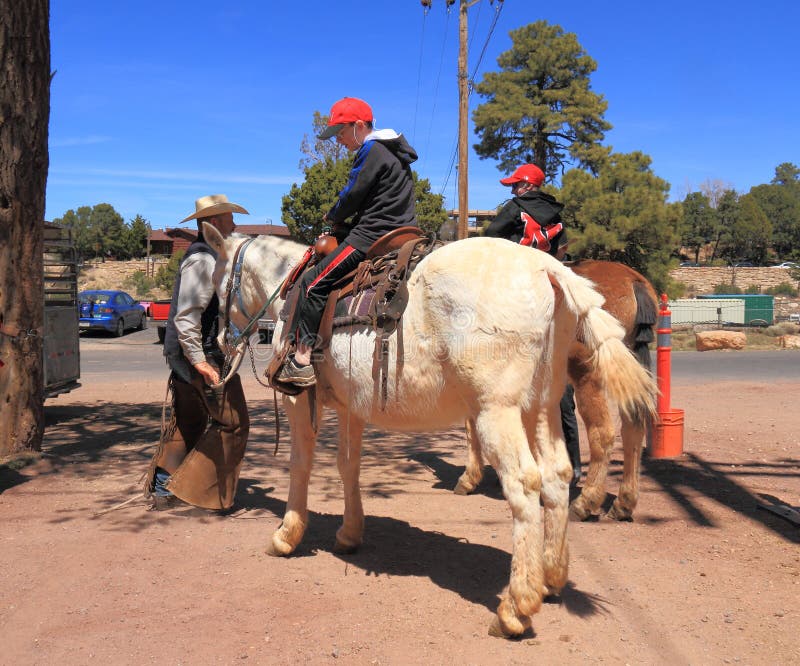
[[668, 432]]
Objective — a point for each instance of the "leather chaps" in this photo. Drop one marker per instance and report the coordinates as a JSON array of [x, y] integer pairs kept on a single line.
[[203, 445]]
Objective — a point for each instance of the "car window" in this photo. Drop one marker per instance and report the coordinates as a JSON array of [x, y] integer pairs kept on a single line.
[[102, 299], [124, 299]]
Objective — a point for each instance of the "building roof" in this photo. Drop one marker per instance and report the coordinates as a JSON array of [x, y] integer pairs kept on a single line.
[[263, 229], [170, 234]]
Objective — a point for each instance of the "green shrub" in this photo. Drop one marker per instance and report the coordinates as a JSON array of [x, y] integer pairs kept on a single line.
[[726, 289], [783, 289], [165, 277], [139, 284], [753, 289]]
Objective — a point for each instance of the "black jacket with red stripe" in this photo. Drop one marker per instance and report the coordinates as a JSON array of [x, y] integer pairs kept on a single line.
[[379, 195], [533, 219]]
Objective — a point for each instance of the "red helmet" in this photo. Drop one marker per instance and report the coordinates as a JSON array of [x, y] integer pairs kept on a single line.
[[529, 173]]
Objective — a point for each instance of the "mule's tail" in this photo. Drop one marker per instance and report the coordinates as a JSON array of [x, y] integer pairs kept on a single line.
[[626, 380], [646, 316]]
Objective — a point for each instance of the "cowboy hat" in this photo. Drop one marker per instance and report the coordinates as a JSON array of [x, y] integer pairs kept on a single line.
[[212, 205]]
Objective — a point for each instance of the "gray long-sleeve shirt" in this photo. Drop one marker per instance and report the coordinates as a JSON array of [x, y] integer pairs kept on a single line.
[[196, 292]]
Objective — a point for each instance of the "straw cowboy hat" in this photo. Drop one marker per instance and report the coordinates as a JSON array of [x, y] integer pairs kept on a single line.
[[213, 204]]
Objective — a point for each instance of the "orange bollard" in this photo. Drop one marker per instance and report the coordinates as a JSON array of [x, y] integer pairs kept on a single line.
[[668, 432]]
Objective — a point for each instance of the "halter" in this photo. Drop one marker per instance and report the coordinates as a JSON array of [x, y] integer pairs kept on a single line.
[[233, 337]]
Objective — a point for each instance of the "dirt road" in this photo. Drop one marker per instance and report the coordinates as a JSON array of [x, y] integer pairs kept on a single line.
[[703, 575]]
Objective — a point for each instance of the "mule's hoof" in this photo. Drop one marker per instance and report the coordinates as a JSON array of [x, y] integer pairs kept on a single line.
[[278, 548], [618, 514], [578, 512], [348, 541], [497, 630], [342, 548], [463, 488]]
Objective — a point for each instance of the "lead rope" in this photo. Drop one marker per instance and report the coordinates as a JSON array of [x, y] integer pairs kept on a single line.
[[274, 399]]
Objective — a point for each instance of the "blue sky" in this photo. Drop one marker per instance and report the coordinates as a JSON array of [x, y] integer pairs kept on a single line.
[[157, 103]]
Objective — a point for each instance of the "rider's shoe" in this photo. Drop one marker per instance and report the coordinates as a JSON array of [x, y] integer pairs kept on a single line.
[[298, 375]]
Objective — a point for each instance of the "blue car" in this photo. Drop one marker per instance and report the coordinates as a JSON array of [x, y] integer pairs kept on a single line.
[[112, 311]]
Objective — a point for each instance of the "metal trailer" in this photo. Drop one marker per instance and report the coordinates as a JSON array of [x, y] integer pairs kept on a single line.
[[759, 309], [61, 356], [717, 311]]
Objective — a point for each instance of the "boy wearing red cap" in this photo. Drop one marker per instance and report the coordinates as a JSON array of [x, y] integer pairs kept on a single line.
[[532, 217], [378, 197]]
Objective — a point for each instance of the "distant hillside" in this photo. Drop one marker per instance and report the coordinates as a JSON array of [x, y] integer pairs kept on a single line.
[[117, 275], [699, 280]]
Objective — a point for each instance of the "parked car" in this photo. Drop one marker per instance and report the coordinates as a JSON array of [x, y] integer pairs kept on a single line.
[[686, 264], [112, 311], [788, 264], [743, 264]]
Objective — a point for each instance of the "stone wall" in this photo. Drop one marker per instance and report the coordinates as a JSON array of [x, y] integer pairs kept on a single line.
[[702, 280]]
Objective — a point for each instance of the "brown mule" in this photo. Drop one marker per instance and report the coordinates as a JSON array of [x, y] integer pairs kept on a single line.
[[631, 299]]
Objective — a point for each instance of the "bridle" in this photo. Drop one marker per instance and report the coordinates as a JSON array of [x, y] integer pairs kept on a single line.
[[233, 337]]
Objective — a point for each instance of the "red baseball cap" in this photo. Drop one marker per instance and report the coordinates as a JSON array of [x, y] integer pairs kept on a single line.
[[346, 110], [528, 173]]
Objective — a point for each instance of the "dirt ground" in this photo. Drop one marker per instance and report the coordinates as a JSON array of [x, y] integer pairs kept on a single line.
[[702, 576]]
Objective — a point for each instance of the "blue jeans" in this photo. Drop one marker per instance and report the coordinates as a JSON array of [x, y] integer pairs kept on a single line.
[[160, 482]]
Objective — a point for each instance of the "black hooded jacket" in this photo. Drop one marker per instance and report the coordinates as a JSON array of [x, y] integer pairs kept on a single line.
[[533, 219], [379, 195]]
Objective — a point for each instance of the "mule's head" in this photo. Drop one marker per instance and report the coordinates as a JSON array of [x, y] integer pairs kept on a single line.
[[225, 247]]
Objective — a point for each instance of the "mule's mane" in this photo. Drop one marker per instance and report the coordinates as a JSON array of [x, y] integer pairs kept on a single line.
[[276, 255]]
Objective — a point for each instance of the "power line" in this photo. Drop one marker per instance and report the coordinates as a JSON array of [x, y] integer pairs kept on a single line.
[[497, 11], [436, 89], [419, 73]]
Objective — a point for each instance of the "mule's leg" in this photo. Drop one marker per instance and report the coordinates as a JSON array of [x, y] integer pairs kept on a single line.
[[593, 408], [348, 460], [286, 538], [628, 496], [505, 446], [473, 473], [550, 451]]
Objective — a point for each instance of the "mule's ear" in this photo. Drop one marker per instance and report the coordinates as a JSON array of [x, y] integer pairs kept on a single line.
[[214, 239]]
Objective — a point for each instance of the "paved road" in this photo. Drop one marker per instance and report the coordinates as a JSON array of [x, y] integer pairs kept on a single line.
[[138, 352], [700, 367]]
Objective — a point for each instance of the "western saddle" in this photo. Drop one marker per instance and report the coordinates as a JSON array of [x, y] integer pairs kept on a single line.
[[374, 294]]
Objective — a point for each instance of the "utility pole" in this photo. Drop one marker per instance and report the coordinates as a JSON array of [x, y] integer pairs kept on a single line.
[[463, 113], [463, 118]]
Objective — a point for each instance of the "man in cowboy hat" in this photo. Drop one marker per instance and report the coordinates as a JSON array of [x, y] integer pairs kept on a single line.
[[533, 218], [201, 449], [378, 198]]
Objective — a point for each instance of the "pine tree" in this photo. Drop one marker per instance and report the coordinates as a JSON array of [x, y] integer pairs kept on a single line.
[[540, 108]]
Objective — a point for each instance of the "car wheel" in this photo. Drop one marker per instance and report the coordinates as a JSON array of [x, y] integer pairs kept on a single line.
[[120, 328], [143, 322]]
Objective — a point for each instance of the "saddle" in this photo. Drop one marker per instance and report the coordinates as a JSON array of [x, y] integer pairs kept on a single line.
[[374, 294]]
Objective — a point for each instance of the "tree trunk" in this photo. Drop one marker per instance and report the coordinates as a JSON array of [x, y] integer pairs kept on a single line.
[[24, 118]]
